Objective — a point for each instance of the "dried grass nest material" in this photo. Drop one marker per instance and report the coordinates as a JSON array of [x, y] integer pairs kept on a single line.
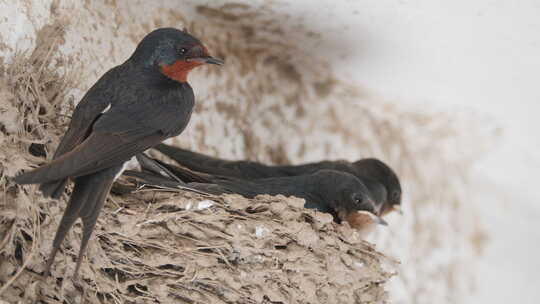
[[182, 247]]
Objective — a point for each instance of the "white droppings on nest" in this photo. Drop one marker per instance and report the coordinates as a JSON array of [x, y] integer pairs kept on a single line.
[[261, 231], [205, 204]]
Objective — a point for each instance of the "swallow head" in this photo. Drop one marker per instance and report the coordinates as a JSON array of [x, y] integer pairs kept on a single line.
[[363, 216], [349, 197], [378, 194], [174, 53], [379, 171], [363, 212]]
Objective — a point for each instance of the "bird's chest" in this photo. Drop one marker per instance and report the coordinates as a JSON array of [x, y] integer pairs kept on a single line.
[[168, 110]]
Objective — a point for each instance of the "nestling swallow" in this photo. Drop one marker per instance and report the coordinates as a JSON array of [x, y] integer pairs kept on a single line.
[[338, 193], [132, 107], [371, 171]]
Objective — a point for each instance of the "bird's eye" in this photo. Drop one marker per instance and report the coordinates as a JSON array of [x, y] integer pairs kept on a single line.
[[182, 51], [358, 200]]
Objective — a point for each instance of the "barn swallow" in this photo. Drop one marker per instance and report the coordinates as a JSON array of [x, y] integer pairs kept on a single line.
[[132, 107], [338, 193], [371, 171]]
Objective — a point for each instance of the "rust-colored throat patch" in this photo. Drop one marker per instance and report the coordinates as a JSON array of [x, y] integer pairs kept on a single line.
[[179, 70]]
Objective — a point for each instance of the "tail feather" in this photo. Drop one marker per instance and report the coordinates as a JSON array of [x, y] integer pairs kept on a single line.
[[192, 160], [86, 202], [53, 189], [180, 174], [90, 211], [179, 154], [78, 198], [186, 175]]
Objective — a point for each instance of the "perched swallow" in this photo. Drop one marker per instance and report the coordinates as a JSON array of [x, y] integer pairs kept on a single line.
[[338, 193], [132, 107], [371, 171]]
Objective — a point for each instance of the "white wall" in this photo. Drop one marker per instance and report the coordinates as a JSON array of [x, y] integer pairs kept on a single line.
[[479, 56]]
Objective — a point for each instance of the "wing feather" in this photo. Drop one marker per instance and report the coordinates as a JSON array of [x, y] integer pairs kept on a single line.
[[97, 152]]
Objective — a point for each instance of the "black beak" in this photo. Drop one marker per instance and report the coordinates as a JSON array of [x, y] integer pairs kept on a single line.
[[206, 59], [380, 221]]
